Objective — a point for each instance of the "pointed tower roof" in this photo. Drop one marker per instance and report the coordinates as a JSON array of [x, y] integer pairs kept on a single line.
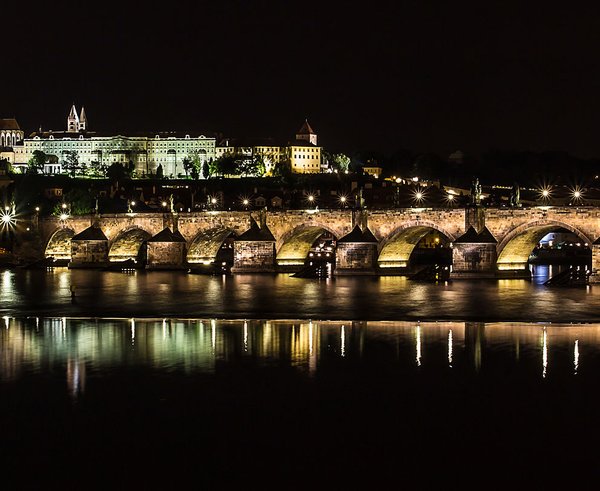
[[82, 116], [73, 113], [305, 129]]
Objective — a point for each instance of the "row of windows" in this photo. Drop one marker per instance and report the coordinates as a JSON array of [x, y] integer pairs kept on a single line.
[[300, 156]]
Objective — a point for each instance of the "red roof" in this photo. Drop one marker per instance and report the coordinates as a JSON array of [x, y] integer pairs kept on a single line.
[[9, 124], [305, 129]]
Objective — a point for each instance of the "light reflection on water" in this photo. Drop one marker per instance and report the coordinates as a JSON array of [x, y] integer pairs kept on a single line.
[[175, 294], [77, 346]]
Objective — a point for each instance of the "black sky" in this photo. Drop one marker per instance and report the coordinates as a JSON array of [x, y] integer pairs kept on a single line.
[[375, 76]]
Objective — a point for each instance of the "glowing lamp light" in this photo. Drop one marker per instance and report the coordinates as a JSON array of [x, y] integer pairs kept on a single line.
[[450, 197], [133, 203], [213, 201], [37, 208], [311, 198], [64, 216], [164, 203], [576, 194], [343, 199], [64, 206], [419, 195], [545, 193], [245, 202], [6, 218]]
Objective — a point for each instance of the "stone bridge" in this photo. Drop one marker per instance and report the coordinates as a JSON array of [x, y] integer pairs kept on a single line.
[[514, 231]]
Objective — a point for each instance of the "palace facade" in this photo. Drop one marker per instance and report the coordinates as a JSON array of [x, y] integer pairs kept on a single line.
[[144, 152]]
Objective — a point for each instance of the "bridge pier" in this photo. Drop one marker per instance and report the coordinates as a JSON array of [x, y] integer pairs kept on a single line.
[[254, 251], [595, 276], [356, 253], [89, 249], [166, 250], [474, 255]]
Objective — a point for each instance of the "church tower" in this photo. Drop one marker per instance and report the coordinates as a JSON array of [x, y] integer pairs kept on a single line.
[[306, 133], [73, 121], [82, 126]]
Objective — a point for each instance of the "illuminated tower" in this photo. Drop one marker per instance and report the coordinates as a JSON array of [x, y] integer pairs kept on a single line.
[[82, 126], [73, 120], [306, 133]]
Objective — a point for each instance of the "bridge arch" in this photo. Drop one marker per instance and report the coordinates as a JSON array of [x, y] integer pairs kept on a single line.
[[515, 248], [129, 244], [205, 246], [396, 248], [59, 244], [296, 244]]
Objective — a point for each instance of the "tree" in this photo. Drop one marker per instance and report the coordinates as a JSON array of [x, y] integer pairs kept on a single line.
[[36, 162], [80, 201], [159, 172], [188, 165], [227, 165], [283, 168], [71, 162], [205, 170], [97, 168], [340, 162], [116, 172], [260, 167]]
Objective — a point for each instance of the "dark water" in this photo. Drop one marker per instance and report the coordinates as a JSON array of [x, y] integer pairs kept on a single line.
[[152, 381], [168, 403], [166, 294]]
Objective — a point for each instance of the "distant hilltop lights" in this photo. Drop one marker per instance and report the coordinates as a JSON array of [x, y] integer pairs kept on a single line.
[[80, 152]]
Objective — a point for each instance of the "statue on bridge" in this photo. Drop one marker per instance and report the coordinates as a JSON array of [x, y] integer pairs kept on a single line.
[[475, 192], [515, 196], [359, 200]]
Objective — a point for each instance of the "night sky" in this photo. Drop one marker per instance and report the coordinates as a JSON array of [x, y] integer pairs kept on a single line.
[[380, 76]]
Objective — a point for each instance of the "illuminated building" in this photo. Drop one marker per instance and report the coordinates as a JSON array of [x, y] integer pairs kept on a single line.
[[11, 135], [144, 152], [303, 153]]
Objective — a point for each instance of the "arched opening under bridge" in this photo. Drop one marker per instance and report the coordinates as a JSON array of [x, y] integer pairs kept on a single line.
[[415, 246]]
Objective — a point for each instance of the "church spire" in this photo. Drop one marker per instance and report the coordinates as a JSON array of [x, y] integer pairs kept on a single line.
[[82, 126], [73, 120], [306, 133]]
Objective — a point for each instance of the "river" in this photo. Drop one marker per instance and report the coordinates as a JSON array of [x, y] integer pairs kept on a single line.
[[165, 294], [167, 380]]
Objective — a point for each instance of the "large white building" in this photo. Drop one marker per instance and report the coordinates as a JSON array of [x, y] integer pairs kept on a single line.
[[145, 152]]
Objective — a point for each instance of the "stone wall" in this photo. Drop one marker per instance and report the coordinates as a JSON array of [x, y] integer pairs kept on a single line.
[[356, 258], [515, 229], [88, 253], [166, 255], [253, 256], [473, 259]]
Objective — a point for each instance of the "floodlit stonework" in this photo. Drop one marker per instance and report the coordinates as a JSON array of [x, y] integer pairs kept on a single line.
[[509, 236]]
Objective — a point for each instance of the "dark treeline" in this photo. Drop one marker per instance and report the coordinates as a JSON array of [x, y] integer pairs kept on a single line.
[[495, 166]]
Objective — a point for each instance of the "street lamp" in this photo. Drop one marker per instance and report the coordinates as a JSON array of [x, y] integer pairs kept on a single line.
[[418, 196], [577, 194]]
